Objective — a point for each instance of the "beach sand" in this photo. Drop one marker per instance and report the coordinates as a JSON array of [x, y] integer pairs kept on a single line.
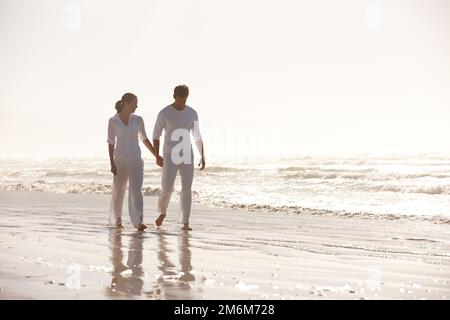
[[58, 246]]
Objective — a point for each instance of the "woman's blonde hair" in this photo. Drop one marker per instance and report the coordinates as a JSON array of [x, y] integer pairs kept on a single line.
[[127, 97]]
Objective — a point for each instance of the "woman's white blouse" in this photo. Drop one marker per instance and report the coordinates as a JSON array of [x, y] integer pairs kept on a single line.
[[126, 138]]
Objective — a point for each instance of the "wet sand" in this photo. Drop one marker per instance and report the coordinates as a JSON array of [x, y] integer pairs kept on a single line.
[[58, 246]]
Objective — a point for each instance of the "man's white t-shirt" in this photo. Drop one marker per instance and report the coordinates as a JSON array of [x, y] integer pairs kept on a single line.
[[171, 119]]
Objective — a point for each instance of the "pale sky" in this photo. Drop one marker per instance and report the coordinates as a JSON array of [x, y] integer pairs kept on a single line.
[[295, 77]]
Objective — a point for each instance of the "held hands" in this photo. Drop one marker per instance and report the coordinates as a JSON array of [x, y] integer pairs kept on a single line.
[[159, 160]]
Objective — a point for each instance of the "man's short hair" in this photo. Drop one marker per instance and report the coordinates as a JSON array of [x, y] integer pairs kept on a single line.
[[181, 91]]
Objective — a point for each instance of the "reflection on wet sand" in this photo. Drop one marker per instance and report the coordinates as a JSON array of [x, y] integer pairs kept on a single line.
[[172, 282], [126, 278], [185, 257]]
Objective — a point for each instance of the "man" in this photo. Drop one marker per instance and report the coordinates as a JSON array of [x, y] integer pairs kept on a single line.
[[177, 120]]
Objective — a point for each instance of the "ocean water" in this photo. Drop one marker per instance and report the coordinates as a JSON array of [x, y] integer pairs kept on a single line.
[[394, 187]]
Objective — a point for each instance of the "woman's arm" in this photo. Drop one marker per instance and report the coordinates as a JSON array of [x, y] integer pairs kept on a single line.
[[159, 159], [111, 143], [144, 139], [149, 146], [111, 159]]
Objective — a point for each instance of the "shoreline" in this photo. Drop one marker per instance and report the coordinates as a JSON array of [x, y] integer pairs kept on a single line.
[[47, 240]]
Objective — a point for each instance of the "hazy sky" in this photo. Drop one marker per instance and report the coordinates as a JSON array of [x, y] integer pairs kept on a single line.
[[295, 77]]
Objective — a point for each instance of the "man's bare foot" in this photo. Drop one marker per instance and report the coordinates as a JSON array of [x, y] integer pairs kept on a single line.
[[186, 227], [159, 220], [120, 226], [142, 227]]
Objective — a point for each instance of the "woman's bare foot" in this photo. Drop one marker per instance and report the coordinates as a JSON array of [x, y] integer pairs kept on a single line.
[[186, 227], [159, 220], [120, 226], [142, 227]]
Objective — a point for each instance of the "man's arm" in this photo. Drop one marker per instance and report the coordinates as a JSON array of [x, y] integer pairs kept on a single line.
[[156, 146], [198, 140], [201, 150]]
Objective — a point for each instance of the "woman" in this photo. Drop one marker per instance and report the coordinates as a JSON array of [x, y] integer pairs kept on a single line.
[[124, 131]]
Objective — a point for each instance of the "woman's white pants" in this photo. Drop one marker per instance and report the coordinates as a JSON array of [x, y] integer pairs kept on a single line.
[[169, 173], [131, 171]]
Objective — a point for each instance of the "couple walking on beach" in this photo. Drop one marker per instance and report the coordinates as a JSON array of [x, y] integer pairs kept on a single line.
[[125, 129]]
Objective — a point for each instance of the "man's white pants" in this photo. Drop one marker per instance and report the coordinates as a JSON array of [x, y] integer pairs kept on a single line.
[[169, 173], [128, 170]]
